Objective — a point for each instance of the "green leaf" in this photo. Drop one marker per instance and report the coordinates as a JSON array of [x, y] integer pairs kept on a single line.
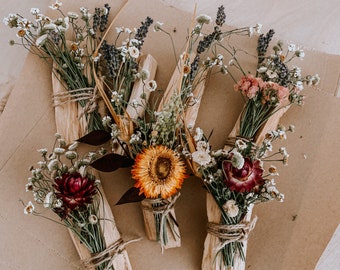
[[112, 162], [95, 137], [132, 195]]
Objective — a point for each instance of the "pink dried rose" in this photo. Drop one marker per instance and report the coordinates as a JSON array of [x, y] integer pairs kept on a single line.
[[246, 179], [249, 86], [276, 91], [75, 191]]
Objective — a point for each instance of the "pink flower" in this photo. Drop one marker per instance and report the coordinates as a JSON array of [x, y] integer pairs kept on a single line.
[[275, 92], [246, 179], [249, 86]]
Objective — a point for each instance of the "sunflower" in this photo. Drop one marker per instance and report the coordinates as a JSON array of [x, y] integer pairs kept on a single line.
[[158, 172]]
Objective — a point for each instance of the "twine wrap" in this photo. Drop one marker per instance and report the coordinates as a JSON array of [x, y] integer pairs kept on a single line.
[[231, 233], [107, 255], [164, 211]]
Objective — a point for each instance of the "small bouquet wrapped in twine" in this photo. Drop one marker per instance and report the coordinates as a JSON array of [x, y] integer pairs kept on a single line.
[[69, 42], [235, 176], [64, 183], [152, 135]]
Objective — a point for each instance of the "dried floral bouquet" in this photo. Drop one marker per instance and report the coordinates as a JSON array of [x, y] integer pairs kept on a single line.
[[235, 176], [153, 139], [70, 42], [66, 185]]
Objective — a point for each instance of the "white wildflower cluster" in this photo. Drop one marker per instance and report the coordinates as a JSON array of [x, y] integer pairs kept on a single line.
[[106, 120], [117, 97], [62, 159], [270, 192], [255, 29], [216, 61], [129, 49], [203, 19], [144, 74], [202, 154], [85, 14], [136, 137], [166, 123], [115, 131], [275, 68]]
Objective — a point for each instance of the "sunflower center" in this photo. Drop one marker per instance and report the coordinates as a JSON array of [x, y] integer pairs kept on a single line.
[[163, 167]]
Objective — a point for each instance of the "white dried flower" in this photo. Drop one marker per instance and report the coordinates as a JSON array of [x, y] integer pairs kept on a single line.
[[203, 19], [73, 146], [48, 201], [96, 58], [199, 134], [58, 203], [283, 151], [29, 187], [291, 47], [40, 41], [237, 159], [93, 219], [202, 146], [240, 144], [56, 5], [35, 11], [119, 30], [300, 54], [262, 69], [71, 154], [134, 103], [134, 52], [49, 26], [52, 164], [258, 28], [72, 15], [59, 151], [299, 85], [82, 170], [201, 157], [29, 208], [43, 151], [106, 121], [151, 85], [157, 26], [144, 74], [231, 208], [271, 74]]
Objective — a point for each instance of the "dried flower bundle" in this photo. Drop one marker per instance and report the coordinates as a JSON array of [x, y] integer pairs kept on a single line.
[[236, 176], [70, 42], [64, 184]]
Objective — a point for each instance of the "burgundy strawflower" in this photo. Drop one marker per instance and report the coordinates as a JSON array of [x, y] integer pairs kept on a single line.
[[75, 191], [245, 179]]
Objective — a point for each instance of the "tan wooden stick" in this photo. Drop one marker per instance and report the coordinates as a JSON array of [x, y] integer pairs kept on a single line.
[[111, 236]]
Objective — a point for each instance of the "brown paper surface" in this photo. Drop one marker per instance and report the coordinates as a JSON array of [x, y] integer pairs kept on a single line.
[[289, 235]]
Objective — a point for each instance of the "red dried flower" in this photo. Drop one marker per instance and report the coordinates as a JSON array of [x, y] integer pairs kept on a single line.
[[75, 191], [244, 179]]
